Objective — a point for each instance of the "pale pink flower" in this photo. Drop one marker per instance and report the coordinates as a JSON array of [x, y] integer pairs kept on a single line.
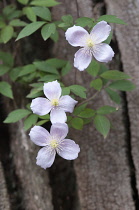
[[53, 142], [91, 44], [56, 104]]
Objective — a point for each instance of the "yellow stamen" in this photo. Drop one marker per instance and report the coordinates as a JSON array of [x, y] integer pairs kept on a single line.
[[53, 143], [54, 102], [89, 42]]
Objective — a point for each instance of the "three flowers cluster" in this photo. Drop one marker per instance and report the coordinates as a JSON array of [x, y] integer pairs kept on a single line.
[[92, 46]]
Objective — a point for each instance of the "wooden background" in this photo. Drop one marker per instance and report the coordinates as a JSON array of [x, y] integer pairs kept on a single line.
[[106, 174]]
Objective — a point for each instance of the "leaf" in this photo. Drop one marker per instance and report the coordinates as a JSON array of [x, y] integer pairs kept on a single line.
[[87, 113], [17, 23], [65, 91], [5, 89], [14, 73], [7, 33], [30, 121], [93, 68], [4, 69], [7, 58], [23, 1], [97, 84], [55, 36], [44, 66], [66, 69], [77, 123], [114, 96], [68, 19], [57, 63], [102, 124], [83, 21], [17, 115], [47, 3], [106, 110], [79, 109], [41, 122], [111, 19], [78, 90], [47, 30], [42, 12], [2, 24], [124, 85], [49, 78], [108, 40], [30, 29], [34, 93], [27, 69], [114, 75], [28, 11], [45, 117]]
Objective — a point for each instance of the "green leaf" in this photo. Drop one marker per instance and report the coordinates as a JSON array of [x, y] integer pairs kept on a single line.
[[65, 91], [30, 29], [114, 96], [45, 117], [7, 58], [14, 73], [28, 11], [55, 36], [34, 93], [47, 30], [106, 110], [4, 69], [83, 21], [78, 90], [87, 113], [102, 124], [41, 122], [97, 84], [17, 115], [93, 68], [79, 109], [123, 85], [42, 12], [111, 19], [66, 69], [67, 19], [57, 63], [30, 121], [5, 89], [47, 3], [114, 75], [44, 66], [23, 1], [49, 78], [17, 23], [7, 33], [108, 40], [2, 24], [77, 123], [28, 69]]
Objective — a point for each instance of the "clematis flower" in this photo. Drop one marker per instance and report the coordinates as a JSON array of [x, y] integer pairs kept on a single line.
[[56, 104], [53, 142], [91, 44]]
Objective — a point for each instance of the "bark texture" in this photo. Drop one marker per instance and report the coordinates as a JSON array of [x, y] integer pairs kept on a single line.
[[102, 169]]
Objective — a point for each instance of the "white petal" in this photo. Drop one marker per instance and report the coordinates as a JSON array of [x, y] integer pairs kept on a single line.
[[58, 115], [67, 103], [59, 131], [45, 157], [76, 36], [52, 90], [68, 149], [41, 106], [100, 32], [40, 136], [103, 52], [82, 59]]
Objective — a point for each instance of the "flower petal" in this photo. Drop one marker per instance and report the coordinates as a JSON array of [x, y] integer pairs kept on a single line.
[[68, 149], [67, 103], [103, 52], [52, 90], [100, 32], [58, 116], [40, 136], [76, 36], [45, 157], [59, 131], [41, 106], [82, 59]]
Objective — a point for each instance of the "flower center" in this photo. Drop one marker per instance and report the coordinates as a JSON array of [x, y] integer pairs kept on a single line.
[[54, 143], [89, 42], [54, 102]]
